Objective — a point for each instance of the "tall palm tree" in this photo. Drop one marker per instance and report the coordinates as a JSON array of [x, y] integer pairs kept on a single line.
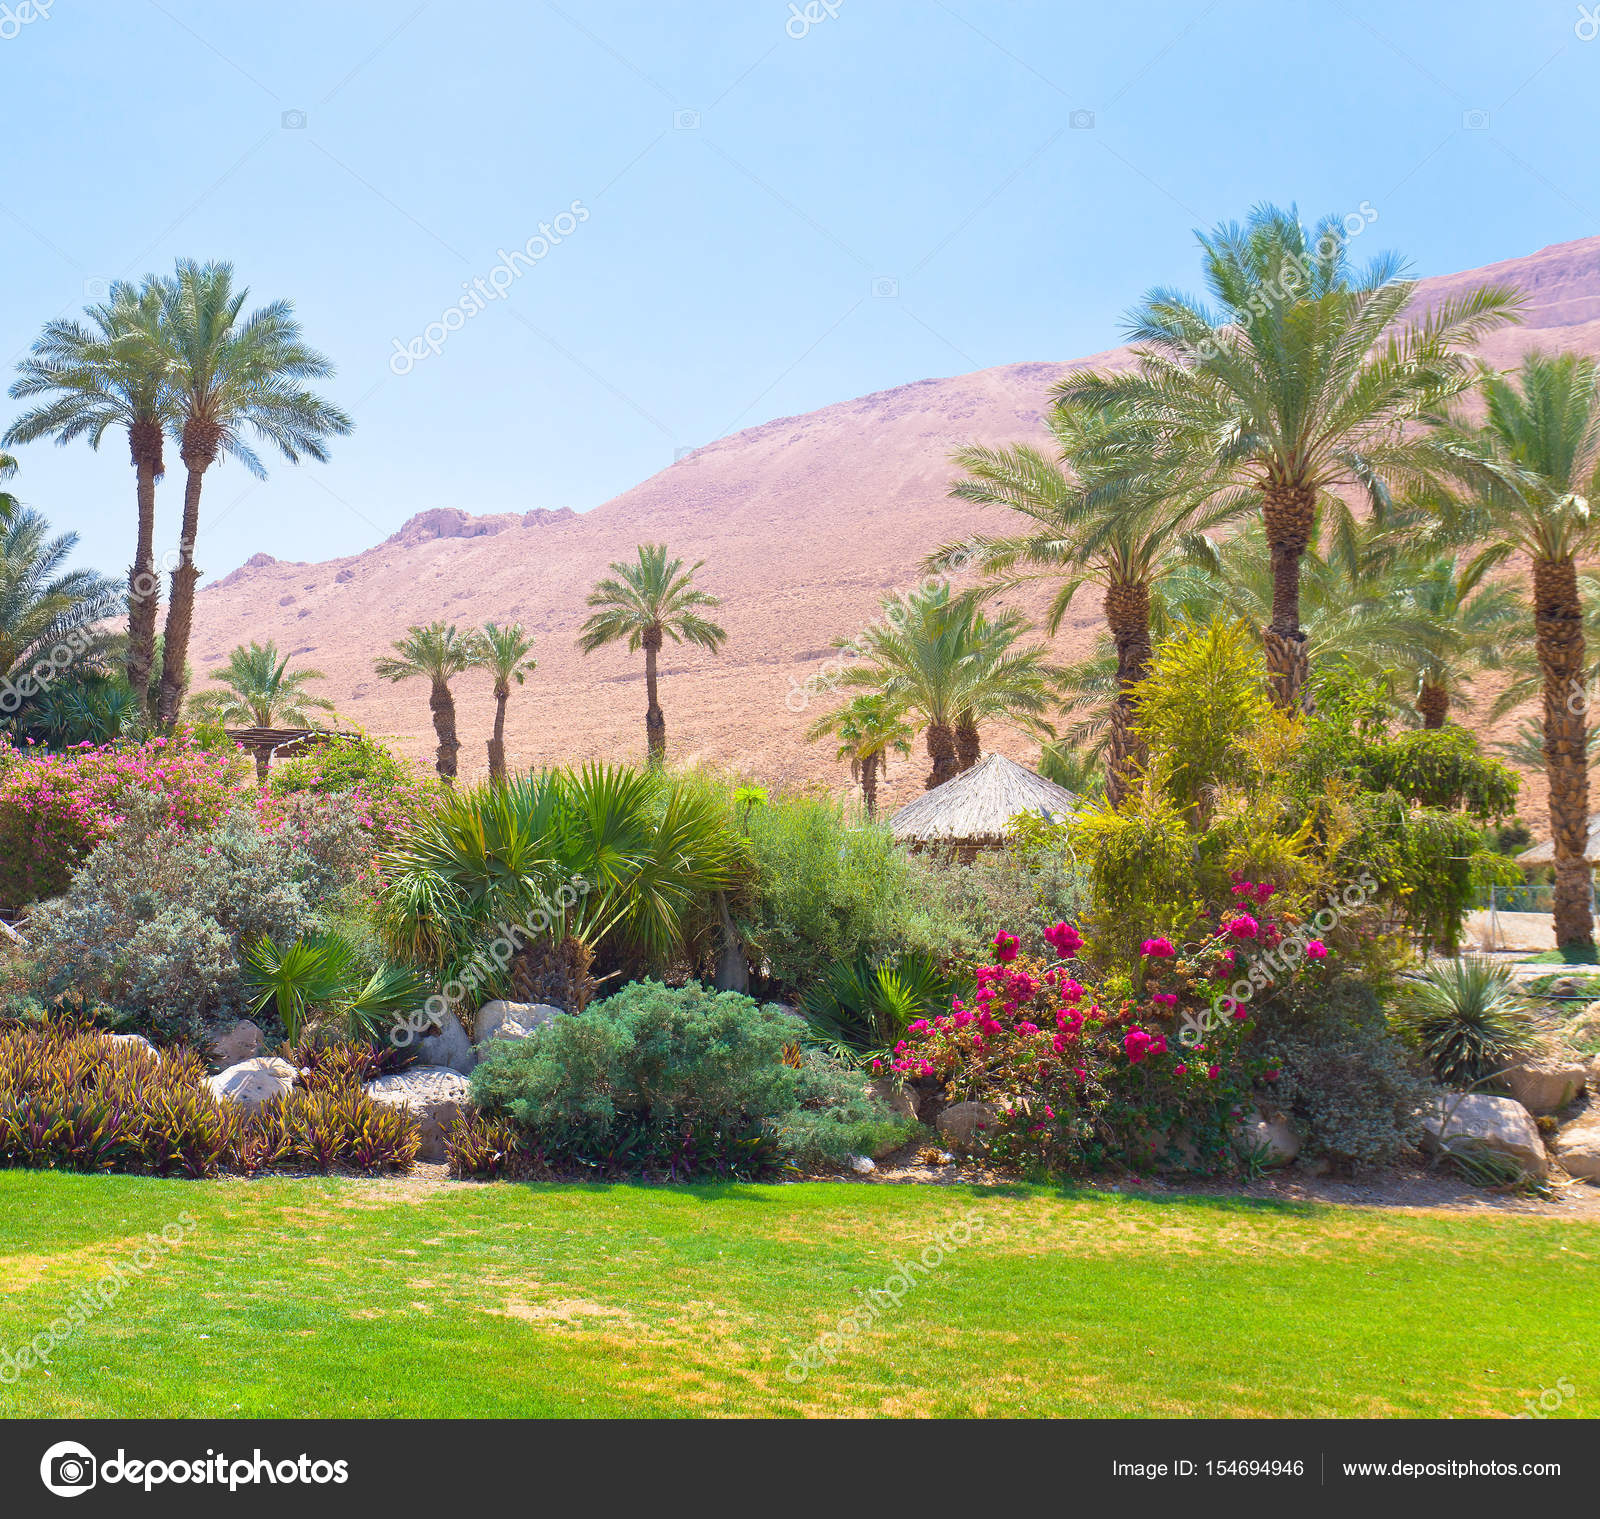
[[436, 654], [1301, 383], [102, 373], [48, 613], [228, 375], [503, 652], [1119, 528], [869, 729], [938, 656], [642, 604], [260, 691], [1532, 471]]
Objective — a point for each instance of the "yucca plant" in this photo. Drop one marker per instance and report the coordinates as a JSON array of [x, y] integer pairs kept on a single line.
[[1468, 1020]]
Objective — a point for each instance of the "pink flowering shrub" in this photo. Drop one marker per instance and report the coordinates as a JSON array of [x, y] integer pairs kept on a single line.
[[54, 808], [1152, 1065]]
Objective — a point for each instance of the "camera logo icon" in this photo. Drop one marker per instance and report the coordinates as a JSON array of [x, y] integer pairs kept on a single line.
[[68, 1469], [686, 121], [1081, 121], [1475, 121], [292, 121], [886, 287], [97, 287]]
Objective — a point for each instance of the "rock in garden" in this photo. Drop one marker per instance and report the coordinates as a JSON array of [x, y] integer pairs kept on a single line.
[[435, 1094], [253, 1082], [243, 1041], [511, 1020], [449, 1046], [1499, 1123], [1546, 1086], [964, 1124], [895, 1097], [1274, 1133], [132, 1042], [862, 1163], [1578, 1148]]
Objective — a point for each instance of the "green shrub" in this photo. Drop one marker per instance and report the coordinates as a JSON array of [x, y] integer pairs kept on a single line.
[[1343, 1073], [155, 920], [955, 906], [837, 1118], [393, 791]]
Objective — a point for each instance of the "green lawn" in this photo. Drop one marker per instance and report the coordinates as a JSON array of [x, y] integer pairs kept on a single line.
[[344, 1297]]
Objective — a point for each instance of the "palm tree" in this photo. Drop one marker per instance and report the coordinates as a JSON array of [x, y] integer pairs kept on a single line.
[[436, 654], [940, 657], [1300, 384], [643, 604], [869, 728], [1533, 472], [228, 375], [101, 374], [9, 505], [503, 652], [259, 691], [48, 614], [1119, 529]]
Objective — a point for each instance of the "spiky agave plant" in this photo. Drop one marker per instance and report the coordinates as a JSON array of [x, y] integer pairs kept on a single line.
[[1468, 1020]]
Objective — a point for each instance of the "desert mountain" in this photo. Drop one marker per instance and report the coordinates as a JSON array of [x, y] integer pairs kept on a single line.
[[805, 523]]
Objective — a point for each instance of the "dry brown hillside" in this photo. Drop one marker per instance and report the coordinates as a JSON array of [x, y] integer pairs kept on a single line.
[[804, 524]]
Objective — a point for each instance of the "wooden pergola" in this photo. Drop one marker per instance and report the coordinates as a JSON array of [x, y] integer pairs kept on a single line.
[[264, 743]]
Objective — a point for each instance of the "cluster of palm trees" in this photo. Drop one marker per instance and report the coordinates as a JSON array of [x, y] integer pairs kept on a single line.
[[175, 358], [437, 654], [1312, 452]]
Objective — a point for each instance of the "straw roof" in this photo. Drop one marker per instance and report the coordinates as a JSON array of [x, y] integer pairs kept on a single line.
[[1545, 853], [975, 808]]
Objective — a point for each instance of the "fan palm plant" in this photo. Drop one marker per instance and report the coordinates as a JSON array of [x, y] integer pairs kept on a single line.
[[642, 604], [503, 652], [436, 654], [227, 376], [938, 656], [103, 373], [260, 691], [324, 972], [1531, 472], [48, 613], [563, 859], [869, 729], [1299, 384], [1115, 525]]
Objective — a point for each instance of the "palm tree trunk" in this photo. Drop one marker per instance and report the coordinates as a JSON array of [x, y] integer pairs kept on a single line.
[[1288, 511], [655, 722], [869, 784], [941, 741], [497, 744], [1433, 702], [199, 450], [263, 759], [1558, 628], [969, 748], [1127, 608], [144, 589], [443, 707]]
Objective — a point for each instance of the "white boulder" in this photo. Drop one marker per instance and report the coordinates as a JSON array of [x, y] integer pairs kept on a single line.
[[253, 1082], [1546, 1086], [1272, 1133], [244, 1041], [965, 1125], [435, 1096], [510, 1020], [449, 1046], [1501, 1124]]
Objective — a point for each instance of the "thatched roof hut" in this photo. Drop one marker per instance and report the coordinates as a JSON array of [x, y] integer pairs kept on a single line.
[[973, 810], [1545, 853]]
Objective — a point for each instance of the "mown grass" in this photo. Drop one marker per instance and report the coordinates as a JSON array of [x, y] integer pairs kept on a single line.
[[338, 1297]]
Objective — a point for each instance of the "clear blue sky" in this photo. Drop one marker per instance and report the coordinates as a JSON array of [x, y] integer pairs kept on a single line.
[[749, 192]]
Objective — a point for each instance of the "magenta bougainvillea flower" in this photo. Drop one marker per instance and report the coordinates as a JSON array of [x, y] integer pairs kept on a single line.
[[1006, 947], [1158, 949], [1243, 926], [1064, 939], [1316, 950], [1137, 1043], [1165, 999]]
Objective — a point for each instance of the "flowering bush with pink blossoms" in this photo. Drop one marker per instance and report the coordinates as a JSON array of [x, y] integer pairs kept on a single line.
[[1148, 1066], [54, 808]]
